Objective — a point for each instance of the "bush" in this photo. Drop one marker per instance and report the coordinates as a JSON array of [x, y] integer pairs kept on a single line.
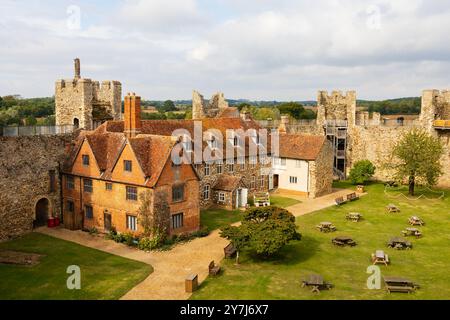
[[361, 172], [93, 231], [203, 232], [129, 239], [148, 243]]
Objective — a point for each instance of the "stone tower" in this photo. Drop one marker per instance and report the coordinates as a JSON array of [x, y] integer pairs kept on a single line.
[[435, 106], [86, 103], [203, 109], [336, 107]]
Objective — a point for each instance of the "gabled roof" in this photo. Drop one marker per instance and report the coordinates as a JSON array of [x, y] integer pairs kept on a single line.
[[227, 182], [301, 147], [151, 151], [167, 127]]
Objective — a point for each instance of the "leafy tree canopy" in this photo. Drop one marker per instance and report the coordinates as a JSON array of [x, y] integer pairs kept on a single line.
[[417, 158], [264, 230], [361, 172]]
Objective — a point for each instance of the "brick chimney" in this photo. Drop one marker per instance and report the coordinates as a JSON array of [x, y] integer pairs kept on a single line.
[[283, 124], [132, 115]]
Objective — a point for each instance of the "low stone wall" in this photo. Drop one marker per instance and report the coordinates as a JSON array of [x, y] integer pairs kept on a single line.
[[25, 165]]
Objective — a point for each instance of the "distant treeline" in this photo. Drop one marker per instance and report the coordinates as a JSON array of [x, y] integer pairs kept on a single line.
[[393, 106], [14, 111]]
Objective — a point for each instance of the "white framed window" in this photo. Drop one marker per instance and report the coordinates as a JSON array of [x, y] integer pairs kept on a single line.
[[206, 190], [253, 183], [131, 223], [219, 167], [283, 161], [221, 196], [131, 193], [298, 163], [262, 181], [253, 160], [293, 180], [231, 167], [276, 161], [177, 221], [207, 169]]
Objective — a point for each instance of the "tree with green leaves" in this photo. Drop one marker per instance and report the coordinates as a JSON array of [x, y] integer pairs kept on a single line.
[[264, 230], [417, 158], [168, 105], [361, 172]]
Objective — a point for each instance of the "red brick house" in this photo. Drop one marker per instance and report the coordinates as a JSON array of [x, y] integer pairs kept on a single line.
[[106, 174]]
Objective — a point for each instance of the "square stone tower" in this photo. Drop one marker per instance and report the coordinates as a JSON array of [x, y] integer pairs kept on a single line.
[[85, 103], [336, 107]]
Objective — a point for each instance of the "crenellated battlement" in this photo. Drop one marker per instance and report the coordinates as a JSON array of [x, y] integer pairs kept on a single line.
[[78, 98], [336, 106]]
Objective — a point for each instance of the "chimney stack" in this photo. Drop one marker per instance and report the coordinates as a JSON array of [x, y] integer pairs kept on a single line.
[[77, 69], [132, 115], [283, 124]]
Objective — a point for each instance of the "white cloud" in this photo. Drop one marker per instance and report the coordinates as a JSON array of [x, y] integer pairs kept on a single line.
[[262, 49]]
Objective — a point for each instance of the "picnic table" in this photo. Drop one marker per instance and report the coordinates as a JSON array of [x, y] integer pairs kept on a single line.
[[316, 282], [399, 284], [412, 232], [390, 208], [343, 241], [416, 221], [380, 257], [354, 216], [326, 227], [399, 243]]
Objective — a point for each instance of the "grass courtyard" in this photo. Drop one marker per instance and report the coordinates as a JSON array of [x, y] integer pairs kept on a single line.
[[280, 277], [103, 276], [216, 218]]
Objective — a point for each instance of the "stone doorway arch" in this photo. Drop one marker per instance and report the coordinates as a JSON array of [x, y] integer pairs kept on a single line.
[[42, 211]]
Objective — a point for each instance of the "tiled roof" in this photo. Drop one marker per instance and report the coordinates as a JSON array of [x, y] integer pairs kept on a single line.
[[302, 147], [151, 152], [167, 127], [227, 182]]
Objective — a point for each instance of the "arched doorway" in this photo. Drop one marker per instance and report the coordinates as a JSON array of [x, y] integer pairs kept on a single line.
[[76, 123], [42, 211]]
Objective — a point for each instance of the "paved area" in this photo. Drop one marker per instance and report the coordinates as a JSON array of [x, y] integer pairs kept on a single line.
[[310, 205], [171, 267]]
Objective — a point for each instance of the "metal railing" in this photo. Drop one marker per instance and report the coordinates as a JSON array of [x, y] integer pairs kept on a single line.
[[388, 122], [15, 131], [292, 123]]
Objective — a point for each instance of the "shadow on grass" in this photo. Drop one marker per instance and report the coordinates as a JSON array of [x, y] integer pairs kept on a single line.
[[293, 253]]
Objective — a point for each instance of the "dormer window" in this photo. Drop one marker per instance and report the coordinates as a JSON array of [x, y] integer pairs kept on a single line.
[[85, 159], [127, 166]]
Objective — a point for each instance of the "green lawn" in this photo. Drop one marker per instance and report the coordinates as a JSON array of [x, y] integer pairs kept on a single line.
[[282, 202], [103, 276], [279, 278], [217, 218]]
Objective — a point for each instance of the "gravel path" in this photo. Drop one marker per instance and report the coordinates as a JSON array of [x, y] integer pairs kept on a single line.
[[171, 267]]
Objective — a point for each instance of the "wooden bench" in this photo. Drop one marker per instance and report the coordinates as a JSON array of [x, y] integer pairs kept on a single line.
[[352, 196], [339, 201], [406, 289], [213, 269], [229, 250]]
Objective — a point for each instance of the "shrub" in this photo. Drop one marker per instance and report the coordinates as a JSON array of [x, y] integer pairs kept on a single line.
[[128, 239], [93, 231], [361, 172], [148, 243], [203, 232]]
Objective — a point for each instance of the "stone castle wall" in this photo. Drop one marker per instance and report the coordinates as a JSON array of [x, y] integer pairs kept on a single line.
[[25, 165], [368, 138], [321, 171]]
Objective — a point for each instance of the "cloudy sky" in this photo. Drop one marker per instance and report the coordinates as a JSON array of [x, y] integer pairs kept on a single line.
[[255, 49]]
